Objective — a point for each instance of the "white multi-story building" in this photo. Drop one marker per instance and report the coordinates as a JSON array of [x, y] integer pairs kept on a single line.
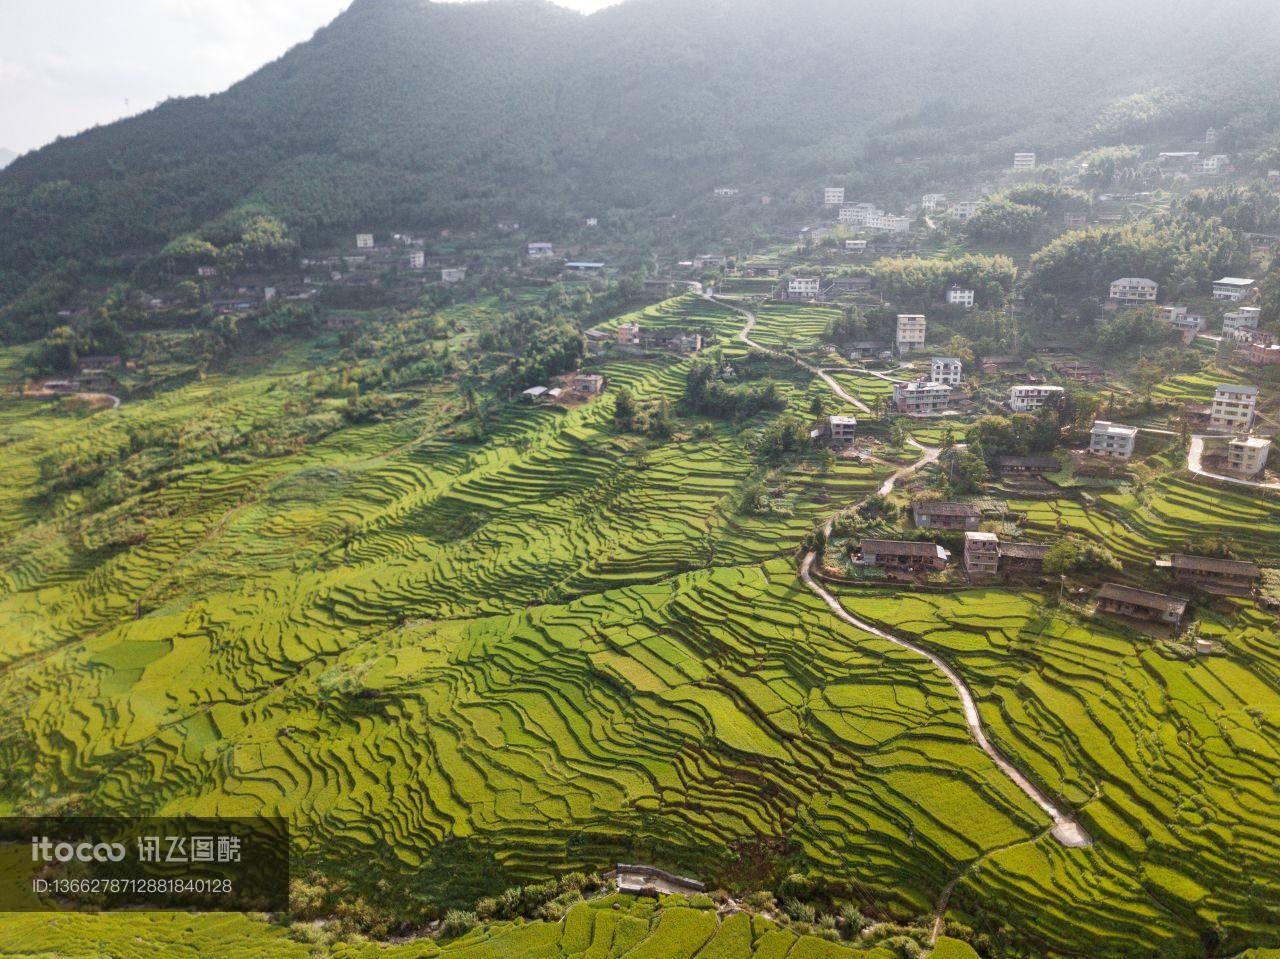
[[844, 429], [1181, 320], [417, 260], [1113, 440], [1024, 161], [959, 296], [1134, 289], [1245, 318], [364, 241], [921, 398], [726, 191], [965, 209], [1234, 289], [593, 221], [541, 251], [1215, 165], [855, 246], [868, 217], [947, 370], [1247, 455], [1234, 408], [1029, 397], [803, 287], [934, 202], [833, 195], [453, 274], [912, 330]]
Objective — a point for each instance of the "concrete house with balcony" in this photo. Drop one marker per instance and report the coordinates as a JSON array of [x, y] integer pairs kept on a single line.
[[946, 370], [921, 398], [1029, 397], [1112, 440], [1234, 289], [1134, 290], [912, 331], [1234, 408], [1247, 455], [960, 296]]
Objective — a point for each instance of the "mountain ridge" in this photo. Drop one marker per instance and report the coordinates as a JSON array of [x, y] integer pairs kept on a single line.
[[428, 114]]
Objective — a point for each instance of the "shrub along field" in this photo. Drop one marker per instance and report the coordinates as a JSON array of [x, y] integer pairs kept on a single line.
[[615, 927]]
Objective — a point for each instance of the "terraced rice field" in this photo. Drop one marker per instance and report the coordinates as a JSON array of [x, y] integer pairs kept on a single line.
[[791, 326], [687, 312], [1163, 518], [1173, 762], [467, 664]]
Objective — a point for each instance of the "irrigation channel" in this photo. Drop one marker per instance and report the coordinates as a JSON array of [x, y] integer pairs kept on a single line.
[[1066, 829]]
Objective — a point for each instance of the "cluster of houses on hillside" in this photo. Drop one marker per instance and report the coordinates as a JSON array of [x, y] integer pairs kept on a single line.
[[987, 556], [632, 338], [576, 386]]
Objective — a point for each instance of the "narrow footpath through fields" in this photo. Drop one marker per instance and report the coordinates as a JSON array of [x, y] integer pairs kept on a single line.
[[1065, 827]]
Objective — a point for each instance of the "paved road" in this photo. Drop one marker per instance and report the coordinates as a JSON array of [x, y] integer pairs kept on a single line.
[[745, 337], [1065, 828], [1195, 463]]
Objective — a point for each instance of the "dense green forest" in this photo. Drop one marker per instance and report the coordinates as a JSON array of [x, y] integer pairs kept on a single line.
[[418, 115]]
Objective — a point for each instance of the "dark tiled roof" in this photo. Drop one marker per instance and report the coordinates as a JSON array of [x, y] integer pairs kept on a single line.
[[1210, 564], [1143, 598]]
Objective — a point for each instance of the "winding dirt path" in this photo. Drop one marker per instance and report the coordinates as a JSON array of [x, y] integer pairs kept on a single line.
[[1066, 829]]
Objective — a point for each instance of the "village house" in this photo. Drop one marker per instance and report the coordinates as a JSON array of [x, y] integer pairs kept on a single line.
[[1075, 221], [1113, 440], [1077, 371], [965, 209], [593, 221], [709, 261], [1134, 289], [912, 330], [946, 369], [541, 251], [934, 202], [843, 429], [1247, 455], [206, 271], [1029, 397], [921, 398], [1022, 557], [725, 192], [453, 274], [98, 363], [1234, 289], [1036, 465], [417, 260], [996, 365], [981, 554], [364, 241], [865, 350], [762, 268], [1215, 165], [1141, 604], [1263, 354], [1184, 322], [584, 266], [959, 296], [629, 334], [855, 246], [867, 216], [1023, 162], [1233, 408], [833, 195], [671, 341], [907, 557], [1273, 176], [941, 514], [804, 288], [1245, 318], [848, 285], [855, 214], [587, 384], [1226, 576]]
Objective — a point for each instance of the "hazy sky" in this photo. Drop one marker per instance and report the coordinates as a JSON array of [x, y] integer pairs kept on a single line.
[[66, 65]]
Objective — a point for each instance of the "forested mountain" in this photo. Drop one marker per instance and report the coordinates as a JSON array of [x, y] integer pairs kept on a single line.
[[419, 114]]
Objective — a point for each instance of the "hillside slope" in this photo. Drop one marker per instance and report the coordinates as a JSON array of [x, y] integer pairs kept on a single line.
[[421, 114]]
